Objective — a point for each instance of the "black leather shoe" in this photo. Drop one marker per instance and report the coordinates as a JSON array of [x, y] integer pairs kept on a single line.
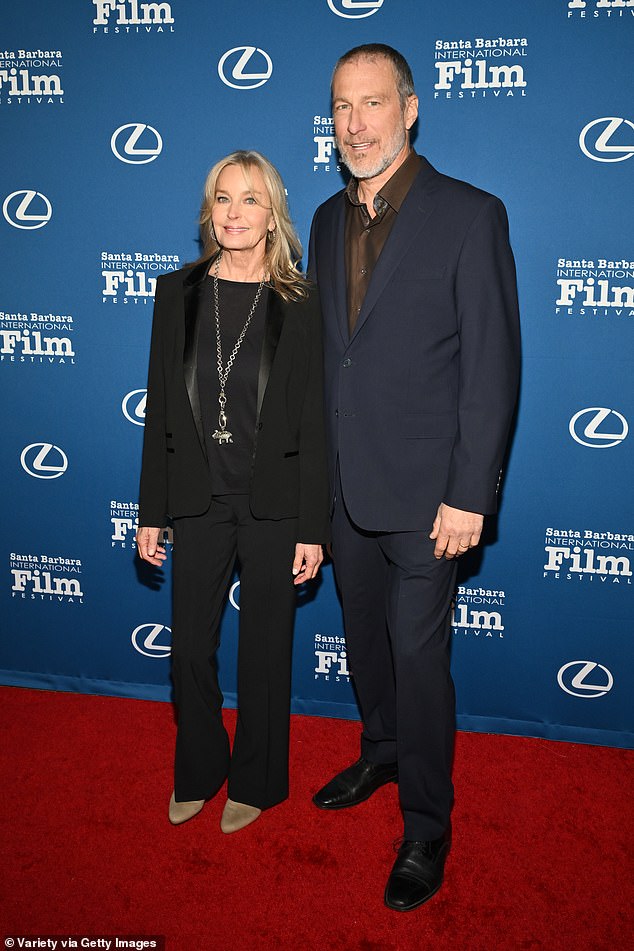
[[417, 873], [355, 784]]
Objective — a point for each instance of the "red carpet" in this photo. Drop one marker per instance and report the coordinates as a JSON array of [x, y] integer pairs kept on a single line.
[[541, 856]]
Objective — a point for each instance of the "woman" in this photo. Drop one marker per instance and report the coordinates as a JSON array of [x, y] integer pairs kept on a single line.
[[234, 454]]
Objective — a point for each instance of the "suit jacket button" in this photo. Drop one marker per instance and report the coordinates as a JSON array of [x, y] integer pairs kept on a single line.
[[347, 362], [260, 425], [336, 412]]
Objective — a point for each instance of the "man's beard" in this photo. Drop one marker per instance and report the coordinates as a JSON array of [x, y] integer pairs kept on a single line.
[[383, 161]]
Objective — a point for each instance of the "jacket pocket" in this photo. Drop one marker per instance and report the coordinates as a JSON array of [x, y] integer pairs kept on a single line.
[[429, 425]]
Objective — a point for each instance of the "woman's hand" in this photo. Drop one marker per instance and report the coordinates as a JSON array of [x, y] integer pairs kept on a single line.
[[148, 546], [307, 561]]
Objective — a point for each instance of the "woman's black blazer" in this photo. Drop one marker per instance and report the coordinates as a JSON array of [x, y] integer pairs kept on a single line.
[[289, 473]]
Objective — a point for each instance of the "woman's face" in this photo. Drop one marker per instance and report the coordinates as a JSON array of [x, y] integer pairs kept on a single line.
[[241, 214]]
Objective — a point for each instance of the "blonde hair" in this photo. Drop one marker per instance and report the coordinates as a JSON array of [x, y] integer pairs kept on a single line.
[[283, 249]]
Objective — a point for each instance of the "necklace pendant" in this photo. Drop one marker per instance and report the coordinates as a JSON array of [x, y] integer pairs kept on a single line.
[[222, 434]]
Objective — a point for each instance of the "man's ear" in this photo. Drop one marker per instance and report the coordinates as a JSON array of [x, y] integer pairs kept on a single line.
[[411, 111]]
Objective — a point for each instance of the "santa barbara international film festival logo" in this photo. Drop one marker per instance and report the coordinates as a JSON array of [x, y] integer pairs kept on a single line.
[[331, 658], [596, 9], [30, 77], [325, 155], [46, 578], [124, 522], [586, 556], [608, 139], [595, 287], [129, 277], [477, 612], [32, 338], [131, 16], [480, 67], [27, 209]]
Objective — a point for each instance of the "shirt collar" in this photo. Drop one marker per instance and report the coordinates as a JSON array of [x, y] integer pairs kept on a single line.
[[395, 189]]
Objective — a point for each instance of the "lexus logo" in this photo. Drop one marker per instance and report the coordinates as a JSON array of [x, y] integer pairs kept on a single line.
[[600, 142], [43, 460], [133, 406], [150, 640], [136, 143], [259, 63], [584, 427], [233, 591], [365, 7], [585, 678], [27, 209]]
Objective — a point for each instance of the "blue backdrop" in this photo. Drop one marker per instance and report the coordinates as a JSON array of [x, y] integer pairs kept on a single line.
[[112, 113]]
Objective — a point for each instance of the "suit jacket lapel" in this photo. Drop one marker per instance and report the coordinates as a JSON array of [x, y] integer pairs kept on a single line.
[[410, 221], [338, 269], [192, 286], [331, 274], [272, 330]]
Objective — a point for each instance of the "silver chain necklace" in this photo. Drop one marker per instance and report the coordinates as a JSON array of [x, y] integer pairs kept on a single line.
[[222, 434]]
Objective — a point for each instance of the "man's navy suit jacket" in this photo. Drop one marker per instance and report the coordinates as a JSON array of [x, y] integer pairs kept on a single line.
[[419, 399]]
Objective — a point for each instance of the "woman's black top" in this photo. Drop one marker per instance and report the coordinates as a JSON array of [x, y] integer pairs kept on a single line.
[[230, 463]]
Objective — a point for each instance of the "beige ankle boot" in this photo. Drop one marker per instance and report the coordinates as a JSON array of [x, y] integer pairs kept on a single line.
[[182, 811], [237, 815]]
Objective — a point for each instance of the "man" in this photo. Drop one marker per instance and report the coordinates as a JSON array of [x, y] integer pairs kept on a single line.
[[419, 301]]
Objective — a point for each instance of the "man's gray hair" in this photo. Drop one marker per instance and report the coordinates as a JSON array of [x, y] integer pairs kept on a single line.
[[402, 71]]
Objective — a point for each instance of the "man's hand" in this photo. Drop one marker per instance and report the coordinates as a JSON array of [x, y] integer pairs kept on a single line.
[[455, 531], [148, 546], [306, 562]]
